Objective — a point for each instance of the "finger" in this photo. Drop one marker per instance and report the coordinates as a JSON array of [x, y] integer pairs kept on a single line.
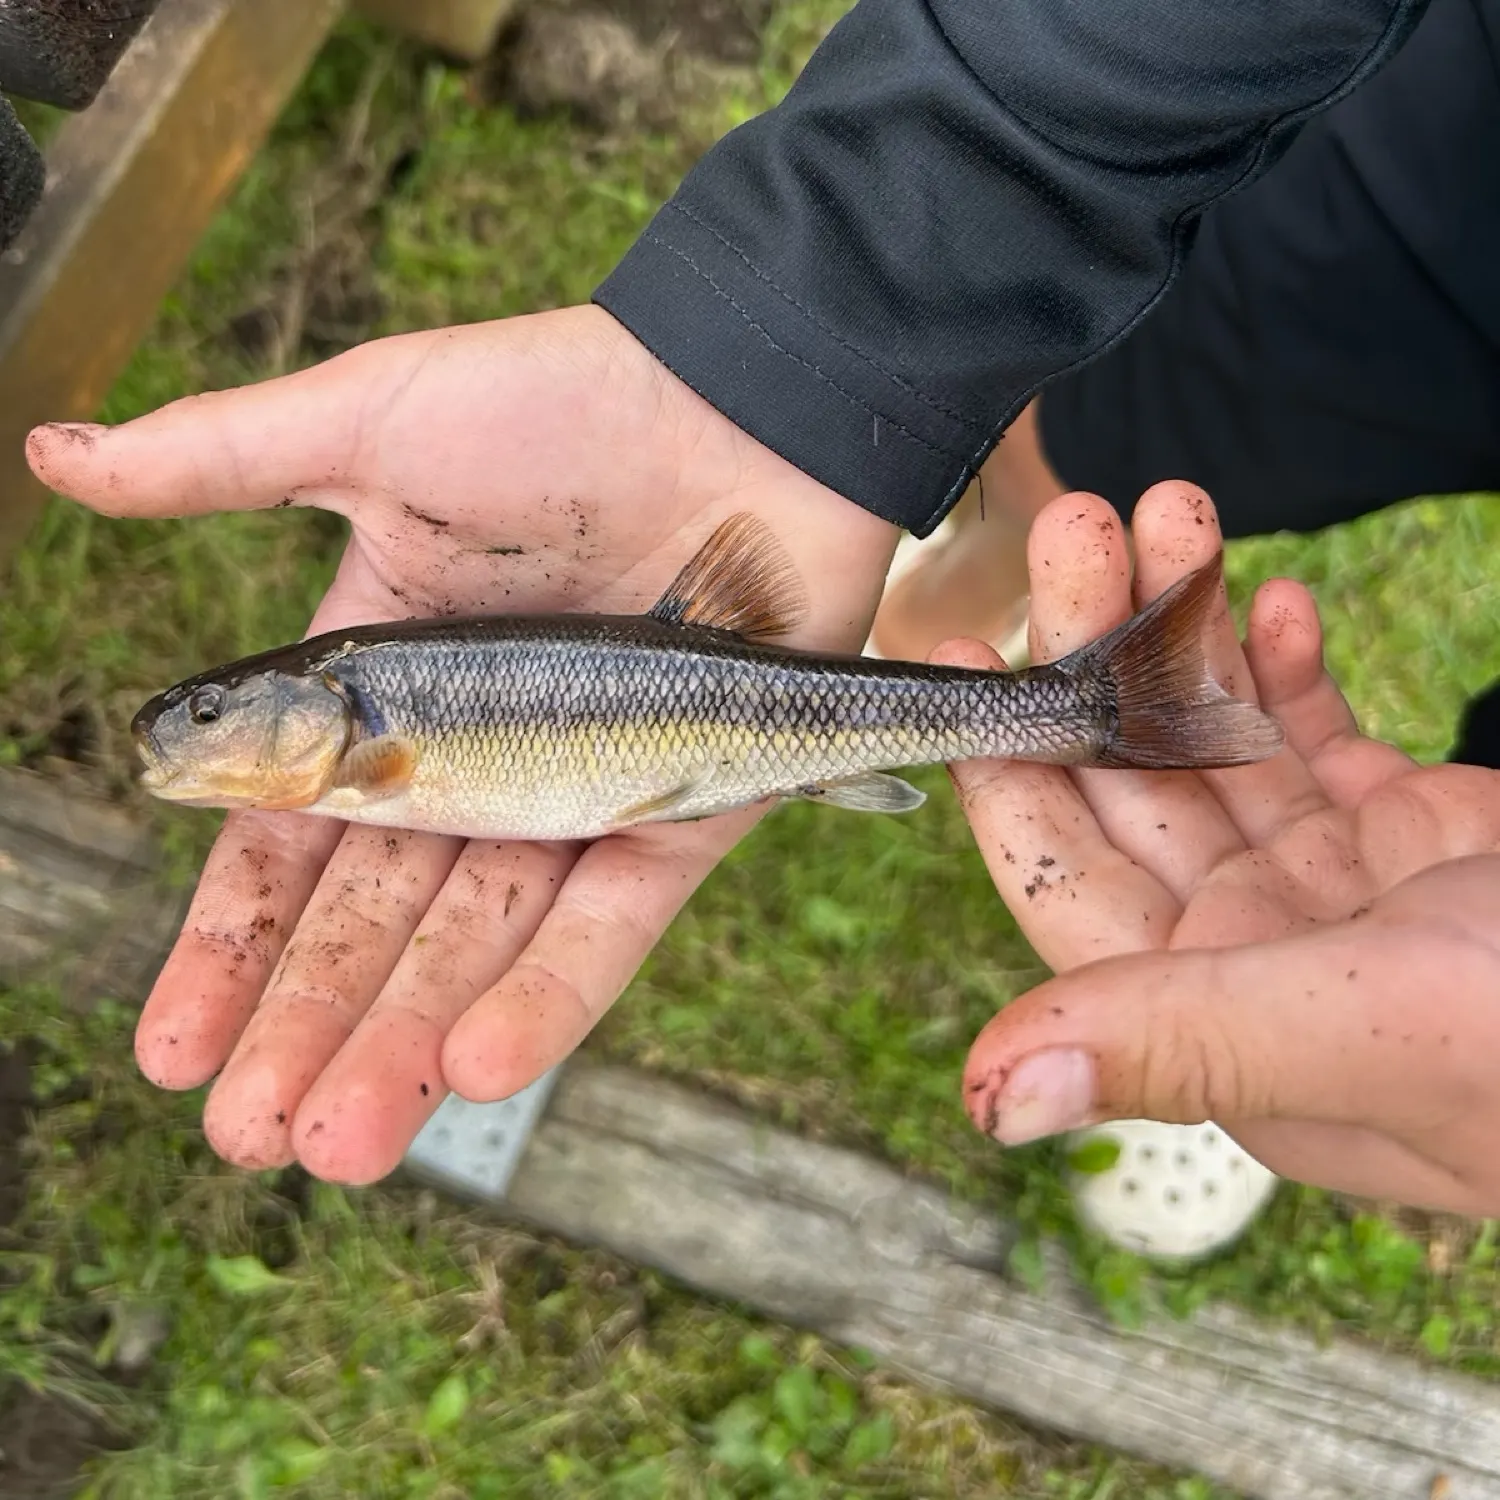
[[1166, 821], [1260, 799], [1284, 646], [365, 908], [1175, 527], [1363, 1162], [612, 908], [1075, 895], [242, 449], [383, 1085], [1042, 845], [1080, 575], [1318, 1026], [1435, 816], [258, 878], [254, 885]]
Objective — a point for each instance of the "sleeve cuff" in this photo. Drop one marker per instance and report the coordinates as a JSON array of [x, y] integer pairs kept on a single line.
[[793, 384]]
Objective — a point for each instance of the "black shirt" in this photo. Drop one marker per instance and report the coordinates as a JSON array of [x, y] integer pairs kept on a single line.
[[959, 200]]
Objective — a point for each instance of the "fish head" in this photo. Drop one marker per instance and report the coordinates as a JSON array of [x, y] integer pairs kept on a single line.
[[268, 739]]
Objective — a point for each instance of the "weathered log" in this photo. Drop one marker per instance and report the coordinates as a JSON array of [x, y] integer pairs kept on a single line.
[[833, 1241], [837, 1242], [62, 51], [22, 174], [79, 899], [132, 183]]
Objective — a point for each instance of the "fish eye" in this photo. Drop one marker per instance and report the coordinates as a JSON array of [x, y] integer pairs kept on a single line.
[[205, 706]]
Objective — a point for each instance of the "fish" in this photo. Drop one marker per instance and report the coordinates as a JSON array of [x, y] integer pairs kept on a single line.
[[573, 726]]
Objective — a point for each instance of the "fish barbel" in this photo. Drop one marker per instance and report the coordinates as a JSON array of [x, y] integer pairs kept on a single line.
[[574, 726]]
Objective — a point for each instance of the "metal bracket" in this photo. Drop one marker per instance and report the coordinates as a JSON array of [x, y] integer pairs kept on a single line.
[[474, 1149]]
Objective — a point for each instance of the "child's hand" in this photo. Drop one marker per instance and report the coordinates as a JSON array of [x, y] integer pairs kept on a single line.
[[1305, 951], [339, 979]]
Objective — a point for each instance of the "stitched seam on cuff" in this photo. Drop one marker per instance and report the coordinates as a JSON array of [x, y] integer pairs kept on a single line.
[[880, 416], [821, 325]]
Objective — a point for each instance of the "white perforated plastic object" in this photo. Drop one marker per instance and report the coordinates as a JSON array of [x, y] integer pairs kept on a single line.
[[1175, 1192]]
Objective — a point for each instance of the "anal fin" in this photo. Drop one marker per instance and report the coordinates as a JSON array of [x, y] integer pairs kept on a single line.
[[870, 791]]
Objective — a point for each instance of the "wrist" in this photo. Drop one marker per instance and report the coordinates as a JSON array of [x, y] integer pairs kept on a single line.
[[860, 539]]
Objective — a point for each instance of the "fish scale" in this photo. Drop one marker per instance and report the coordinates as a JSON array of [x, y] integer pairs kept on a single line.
[[568, 727], [556, 729]]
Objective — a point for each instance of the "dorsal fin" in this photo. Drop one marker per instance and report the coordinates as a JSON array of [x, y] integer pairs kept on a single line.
[[738, 580]]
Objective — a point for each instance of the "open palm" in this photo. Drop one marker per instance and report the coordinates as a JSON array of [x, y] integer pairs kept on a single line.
[[1315, 951], [340, 979]]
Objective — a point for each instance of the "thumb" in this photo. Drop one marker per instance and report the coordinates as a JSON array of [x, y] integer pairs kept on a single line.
[[292, 438], [1339, 1025]]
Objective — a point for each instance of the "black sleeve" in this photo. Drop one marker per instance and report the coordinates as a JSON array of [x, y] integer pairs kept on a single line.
[[959, 200]]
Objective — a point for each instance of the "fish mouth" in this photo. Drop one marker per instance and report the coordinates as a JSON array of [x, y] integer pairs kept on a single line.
[[176, 784], [152, 773]]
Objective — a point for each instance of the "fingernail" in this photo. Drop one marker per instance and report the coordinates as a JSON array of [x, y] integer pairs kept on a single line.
[[1046, 1093]]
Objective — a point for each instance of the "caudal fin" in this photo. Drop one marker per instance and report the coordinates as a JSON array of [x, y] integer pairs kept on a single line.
[[1170, 712]]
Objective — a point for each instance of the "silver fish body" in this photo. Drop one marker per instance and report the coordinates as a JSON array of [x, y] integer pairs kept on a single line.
[[570, 727], [564, 728]]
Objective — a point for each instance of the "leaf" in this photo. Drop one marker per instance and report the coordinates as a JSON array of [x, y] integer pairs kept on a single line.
[[1119, 1282], [1193, 1488], [297, 1459], [1094, 1156], [777, 1443], [737, 1430], [757, 1349], [842, 1402], [870, 1441], [1026, 1264], [1437, 1335], [838, 925], [446, 1405], [242, 1275], [796, 1395]]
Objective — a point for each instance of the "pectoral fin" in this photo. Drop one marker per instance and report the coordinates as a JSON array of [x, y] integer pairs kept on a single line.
[[872, 791], [378, 767], [739, 580]]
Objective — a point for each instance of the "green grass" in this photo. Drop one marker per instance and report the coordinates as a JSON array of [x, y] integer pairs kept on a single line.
[[332, 1343], [40, 120], [830, 975]]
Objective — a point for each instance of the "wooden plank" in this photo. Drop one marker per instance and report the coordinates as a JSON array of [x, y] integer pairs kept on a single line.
[[837, 1242], [79, 900], [21, 174], [132, 183], [833, 1241], [464, 29], [62, 51]]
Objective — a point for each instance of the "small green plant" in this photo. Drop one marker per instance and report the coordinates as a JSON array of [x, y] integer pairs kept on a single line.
[[783, 1436]]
